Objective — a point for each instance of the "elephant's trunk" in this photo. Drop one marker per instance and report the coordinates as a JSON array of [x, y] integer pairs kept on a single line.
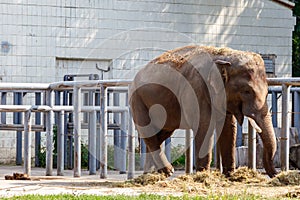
[[269, 141]]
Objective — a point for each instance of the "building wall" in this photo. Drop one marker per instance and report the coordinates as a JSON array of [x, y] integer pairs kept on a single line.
[[41, 41]]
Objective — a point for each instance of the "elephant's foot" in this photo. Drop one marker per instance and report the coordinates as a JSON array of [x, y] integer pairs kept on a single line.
[[167, 171], [201, 169], [149, 170], [227, 171]]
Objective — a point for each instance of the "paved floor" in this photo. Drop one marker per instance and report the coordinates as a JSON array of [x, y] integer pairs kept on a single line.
[[41, 184]]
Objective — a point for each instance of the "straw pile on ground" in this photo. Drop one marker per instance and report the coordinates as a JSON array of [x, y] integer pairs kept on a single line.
[[246, 175], [241, 181], [146, 179], [286, 178]]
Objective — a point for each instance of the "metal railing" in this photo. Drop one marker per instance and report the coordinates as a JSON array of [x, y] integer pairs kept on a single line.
[[49, 108], [77, 88]]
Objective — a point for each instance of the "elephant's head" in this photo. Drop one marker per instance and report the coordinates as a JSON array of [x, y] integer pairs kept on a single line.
[[246, 88]]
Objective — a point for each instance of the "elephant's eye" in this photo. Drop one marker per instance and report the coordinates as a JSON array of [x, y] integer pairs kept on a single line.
[[246, 92]]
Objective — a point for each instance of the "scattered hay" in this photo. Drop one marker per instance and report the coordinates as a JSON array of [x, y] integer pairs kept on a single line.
[[146, 179], [210, 178], [286, 178], [246, 175], [293, 194]]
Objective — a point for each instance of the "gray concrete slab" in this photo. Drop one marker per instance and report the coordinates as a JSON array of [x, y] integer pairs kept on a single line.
[[67, 184]]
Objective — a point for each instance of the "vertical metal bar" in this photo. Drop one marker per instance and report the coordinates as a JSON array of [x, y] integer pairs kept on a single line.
[[285, 128], [168, 149], [143, 153], [274, 109], [49, 133], [60, 142], [189, 151], [103, 135], [251, 147], [27, 143], [77, 131], [239, 138], [122, 152], [117, 165], [98, 129], [131, 147], [92, 143], [38, 101], [90, 124], [65, 102], [3, 102], [70, 135], [18, 120], [297, 110]]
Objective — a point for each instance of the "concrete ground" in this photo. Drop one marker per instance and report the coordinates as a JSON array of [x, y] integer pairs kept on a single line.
[[67, 184]]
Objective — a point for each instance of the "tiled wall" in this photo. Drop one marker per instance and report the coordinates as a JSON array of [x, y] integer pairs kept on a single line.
[[35, 35]]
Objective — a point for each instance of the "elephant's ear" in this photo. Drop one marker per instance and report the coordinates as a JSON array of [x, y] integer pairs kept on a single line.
[[223, 68]]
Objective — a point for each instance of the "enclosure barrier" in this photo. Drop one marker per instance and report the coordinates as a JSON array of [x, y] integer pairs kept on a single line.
[[77, 108], [286, 84], [77, 87]]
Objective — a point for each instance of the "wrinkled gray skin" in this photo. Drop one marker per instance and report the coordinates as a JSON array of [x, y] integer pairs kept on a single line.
[[201, 88]]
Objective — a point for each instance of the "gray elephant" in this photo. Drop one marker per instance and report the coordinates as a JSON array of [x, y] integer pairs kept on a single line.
[[203, 89]]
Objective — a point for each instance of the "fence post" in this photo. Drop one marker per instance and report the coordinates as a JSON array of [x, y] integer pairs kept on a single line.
[[98, 128], [188, 151], [117, 147], [285, 128], [297, 111], [251, 147], [60, 142], [92, 142], [103, 134], [131, 145], [122, 152], [27, 143], [49, 133], [77, 131]]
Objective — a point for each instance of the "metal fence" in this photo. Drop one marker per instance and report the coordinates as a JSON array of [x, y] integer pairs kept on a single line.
[[46, 102]]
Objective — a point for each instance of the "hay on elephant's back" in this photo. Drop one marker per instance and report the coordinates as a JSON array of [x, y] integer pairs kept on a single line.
[[246, 175], [286, 178]]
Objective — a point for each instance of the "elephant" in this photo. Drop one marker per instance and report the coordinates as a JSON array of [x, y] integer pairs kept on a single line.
[[205, 89]]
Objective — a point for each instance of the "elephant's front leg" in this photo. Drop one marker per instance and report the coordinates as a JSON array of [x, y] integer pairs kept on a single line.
[[203, 147], [226, 144]]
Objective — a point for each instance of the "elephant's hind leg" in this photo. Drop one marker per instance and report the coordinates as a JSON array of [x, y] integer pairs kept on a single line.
[[155, 154]]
